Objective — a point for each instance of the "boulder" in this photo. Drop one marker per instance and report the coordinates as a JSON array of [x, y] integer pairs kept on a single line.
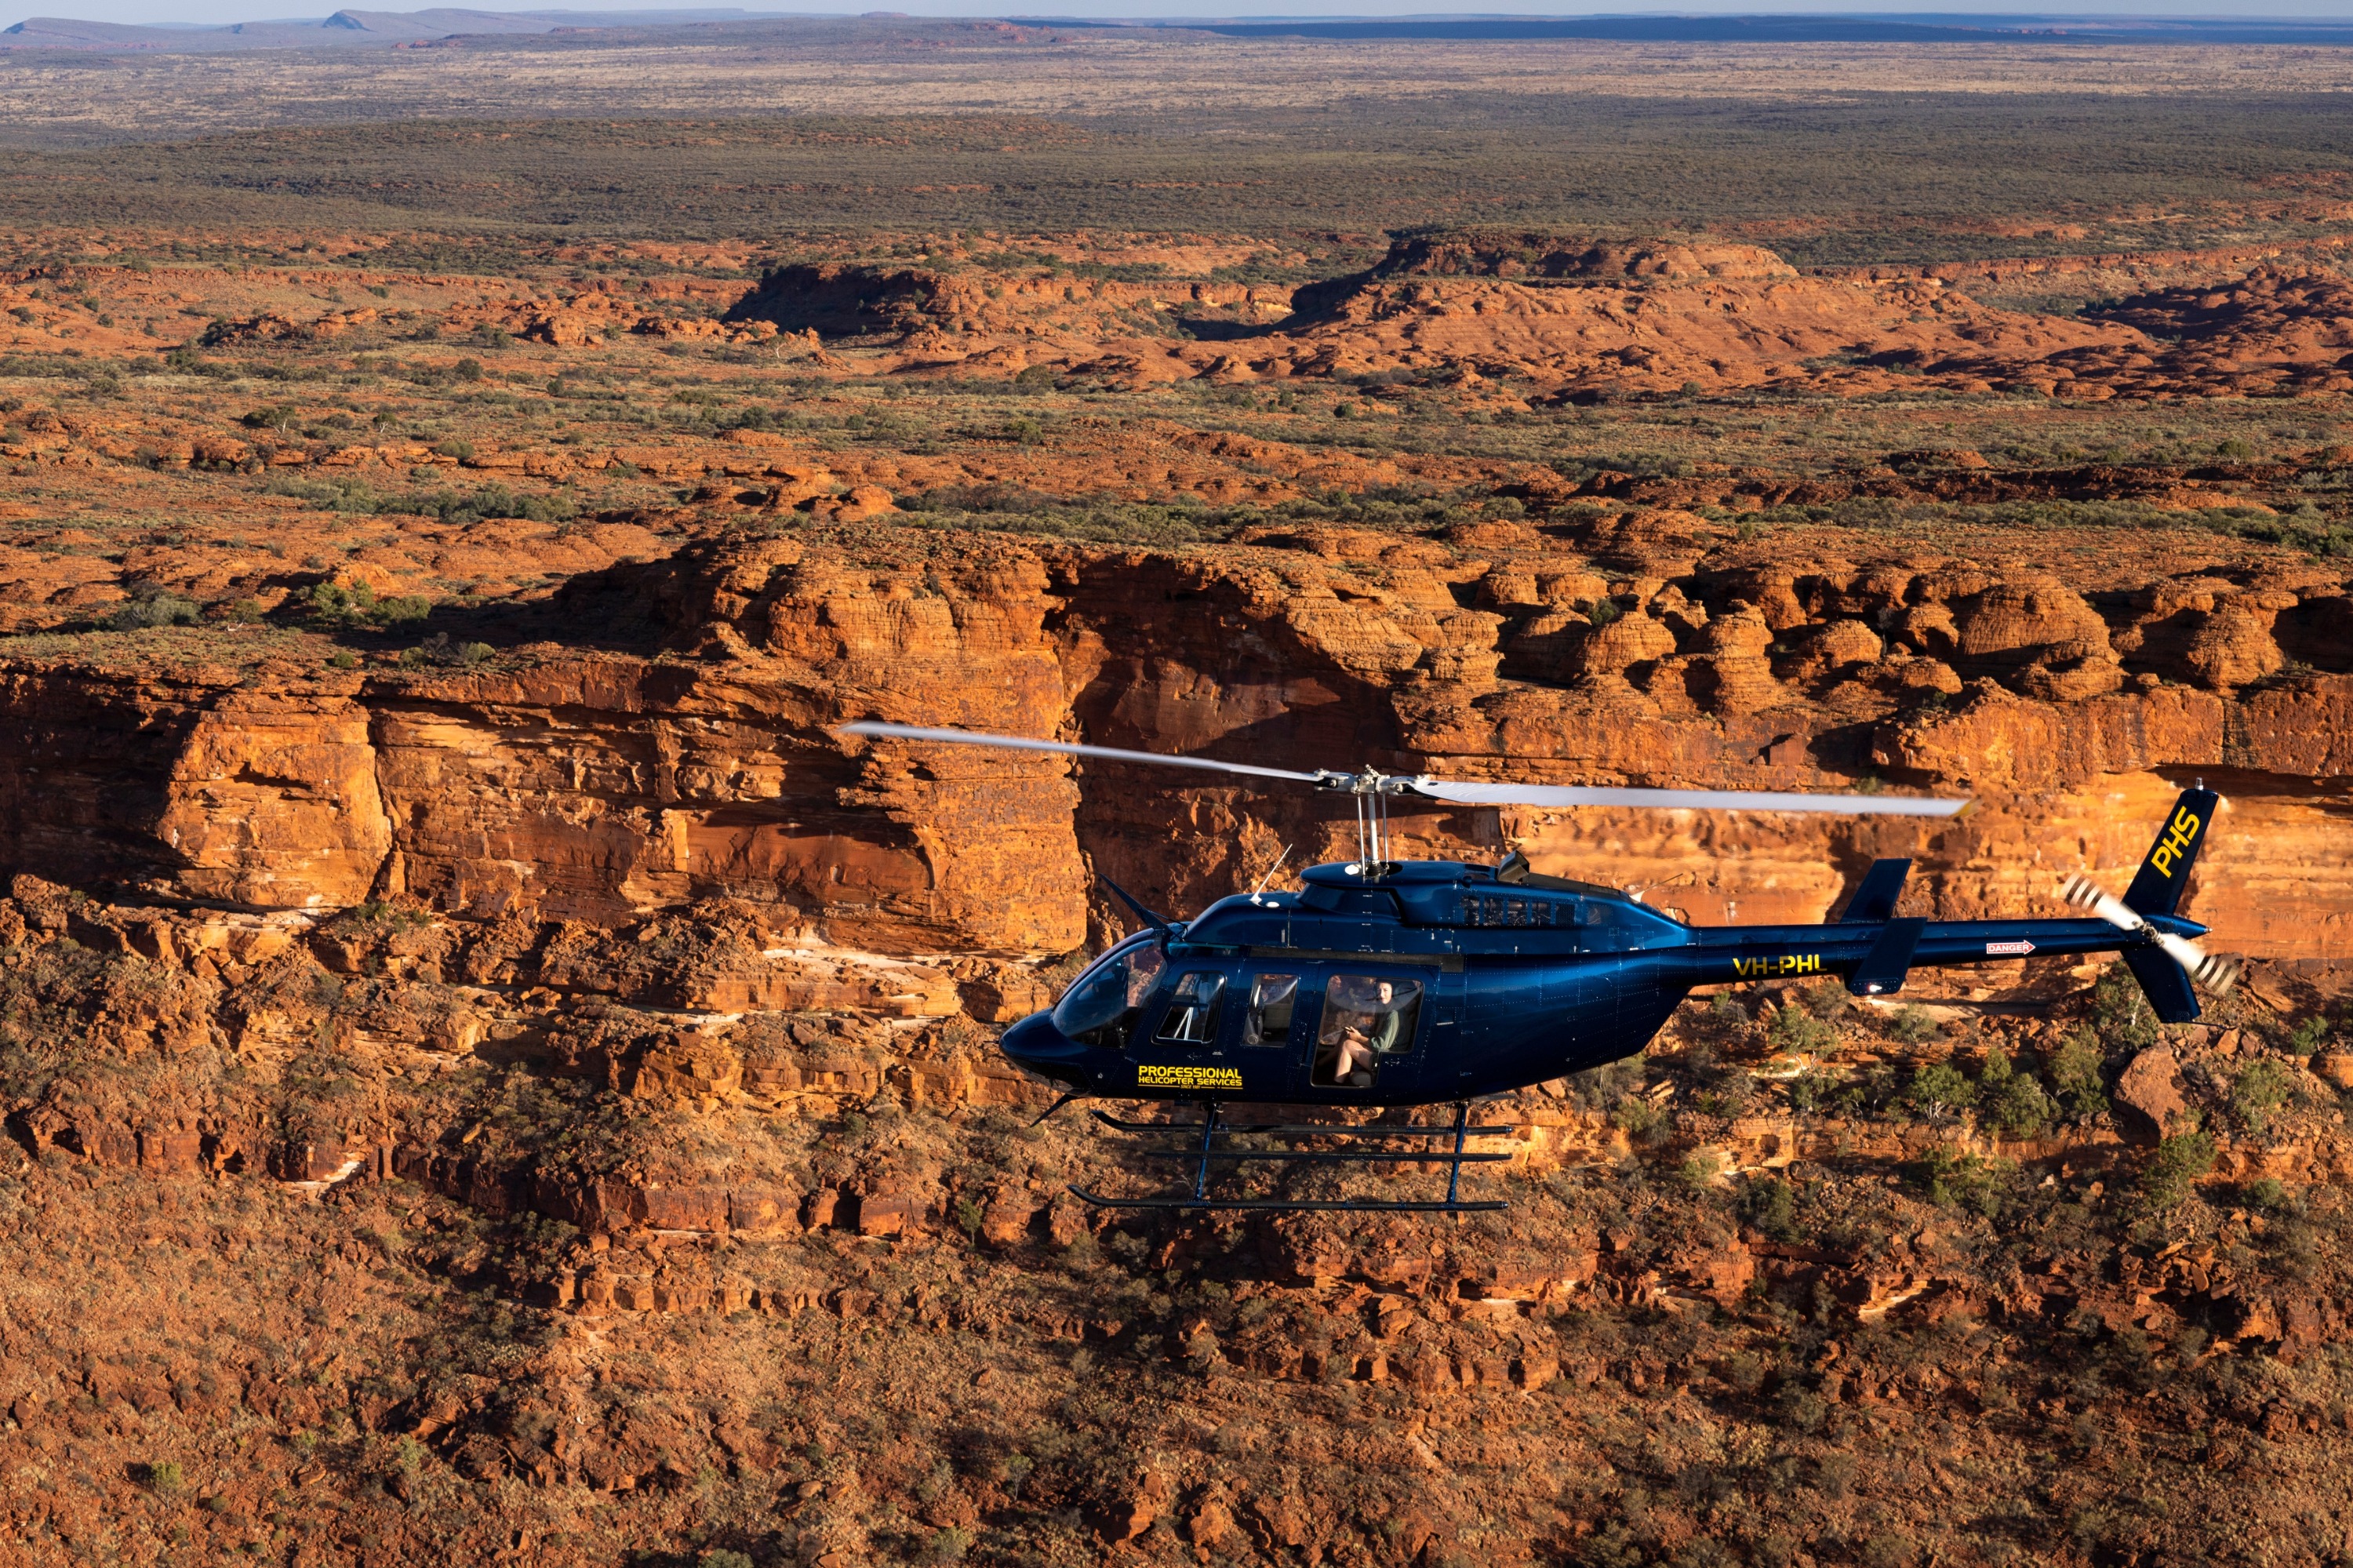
[[2151, 1087]]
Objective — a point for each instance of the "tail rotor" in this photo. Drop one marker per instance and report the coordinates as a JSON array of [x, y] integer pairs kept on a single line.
[[2217, 975]]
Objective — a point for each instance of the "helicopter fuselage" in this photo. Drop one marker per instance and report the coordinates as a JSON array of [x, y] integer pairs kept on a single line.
[[1431, 981]]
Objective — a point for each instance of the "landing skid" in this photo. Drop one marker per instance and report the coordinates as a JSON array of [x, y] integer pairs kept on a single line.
[[1211, 1128]]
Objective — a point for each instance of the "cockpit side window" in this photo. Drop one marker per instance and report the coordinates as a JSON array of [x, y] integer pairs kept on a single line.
[[1272, 998], [1101, 1008], [1192, 1016]]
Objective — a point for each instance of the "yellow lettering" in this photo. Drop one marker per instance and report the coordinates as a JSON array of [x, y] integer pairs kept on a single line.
[[1785, 964], [2179, 836], [1184, 1075]]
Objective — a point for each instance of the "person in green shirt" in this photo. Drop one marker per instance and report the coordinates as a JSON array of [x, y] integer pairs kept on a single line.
[[1361, 1047]]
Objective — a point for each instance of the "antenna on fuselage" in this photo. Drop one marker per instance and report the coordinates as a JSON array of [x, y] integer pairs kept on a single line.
[[1269, 873]]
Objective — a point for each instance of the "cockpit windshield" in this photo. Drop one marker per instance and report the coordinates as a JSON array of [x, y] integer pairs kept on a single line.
[[1101, 1009]]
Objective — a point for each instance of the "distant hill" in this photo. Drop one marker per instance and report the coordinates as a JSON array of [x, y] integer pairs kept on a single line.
[[1844, 28], [348, 30], [344, 29]]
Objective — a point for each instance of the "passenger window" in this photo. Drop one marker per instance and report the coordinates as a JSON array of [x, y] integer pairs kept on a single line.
[[1192, 1018], [1268, 1022], [1366, 1018]]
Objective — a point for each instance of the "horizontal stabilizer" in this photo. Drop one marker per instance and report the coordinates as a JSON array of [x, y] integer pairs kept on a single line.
[[2166, 983], [1875, 899], [1882, 968], [2165, 874]]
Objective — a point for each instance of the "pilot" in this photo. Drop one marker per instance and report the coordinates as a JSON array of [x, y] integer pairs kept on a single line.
[[1361, 1047]]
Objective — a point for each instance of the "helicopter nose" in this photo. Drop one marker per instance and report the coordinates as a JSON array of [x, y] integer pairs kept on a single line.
[[1035, 1045]]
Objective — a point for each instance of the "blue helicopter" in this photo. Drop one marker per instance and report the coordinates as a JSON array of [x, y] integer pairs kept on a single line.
[[1383, 983]]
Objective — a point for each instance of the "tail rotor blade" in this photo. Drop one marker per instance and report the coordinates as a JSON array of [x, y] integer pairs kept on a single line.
[[2086, 894], [2218, 975]]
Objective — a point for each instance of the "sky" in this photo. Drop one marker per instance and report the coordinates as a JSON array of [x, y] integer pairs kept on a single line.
[[219, 12]]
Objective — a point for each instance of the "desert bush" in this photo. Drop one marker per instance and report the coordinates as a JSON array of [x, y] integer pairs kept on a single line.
[[335, 605], [1939, 1088], [2121, 1014], [1953, 1178], [1909, 1025], [2075, 1071], [2308, 1036], [1811, 1091], [2008, 1100], [150, 605], [1770, 1204], [1638, 1119], [1795, 1032], [2173, 1172], [2261, 1087], [443, 650]]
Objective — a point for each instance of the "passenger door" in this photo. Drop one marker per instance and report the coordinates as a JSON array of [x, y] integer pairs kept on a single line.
[[1367, 1038]]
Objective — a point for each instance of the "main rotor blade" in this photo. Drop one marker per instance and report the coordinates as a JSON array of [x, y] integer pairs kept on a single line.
[[1703, 800], [875, 730]]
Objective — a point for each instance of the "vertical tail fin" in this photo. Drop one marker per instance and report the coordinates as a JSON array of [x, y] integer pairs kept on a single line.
[[2165, 873], [1876, 898]]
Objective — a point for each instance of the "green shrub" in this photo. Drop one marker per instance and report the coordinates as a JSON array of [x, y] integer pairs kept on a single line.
[[1810, 1091], [150, 605], [1954, 1179], [1770, 1206], [1827, 1000], [441, 649], [1795, 1032], [1909, 1026], [2308, 1036], [2075, 1070], [2015, 1104], [1698, 1172], [333, 605], [2262, 1087], [2121, 1013], [163, 1476], [2173, 1172], [1637, 1118], [1940, 1087]]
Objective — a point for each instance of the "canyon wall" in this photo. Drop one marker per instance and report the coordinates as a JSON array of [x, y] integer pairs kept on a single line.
[[1645, 647]]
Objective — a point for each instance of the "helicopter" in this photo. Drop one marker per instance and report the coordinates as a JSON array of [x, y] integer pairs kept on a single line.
[[1385, 984]]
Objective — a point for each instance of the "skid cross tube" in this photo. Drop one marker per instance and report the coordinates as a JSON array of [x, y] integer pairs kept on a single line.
[[1212, 1129]]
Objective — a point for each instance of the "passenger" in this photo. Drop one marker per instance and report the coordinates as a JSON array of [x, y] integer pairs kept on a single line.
[[1361, 1047]]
